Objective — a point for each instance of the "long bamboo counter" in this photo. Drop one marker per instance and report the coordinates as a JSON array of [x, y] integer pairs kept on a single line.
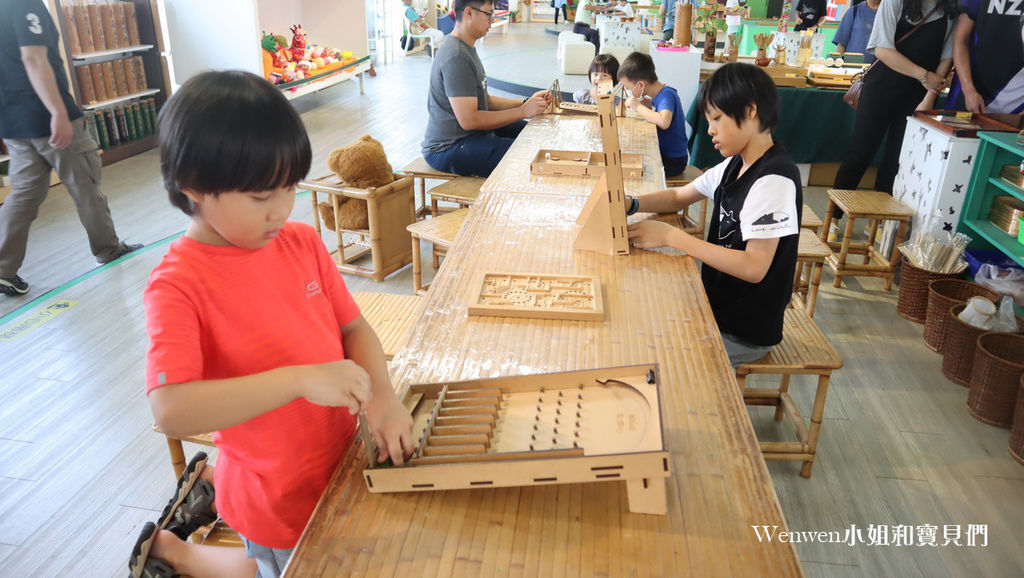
[[656, 312]]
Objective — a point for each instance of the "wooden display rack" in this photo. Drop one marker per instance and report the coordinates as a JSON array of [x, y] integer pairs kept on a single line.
[[831, 77], [559, 106], [603, 219], [571, 297], [558, 428], [390, 210], [582, 164]]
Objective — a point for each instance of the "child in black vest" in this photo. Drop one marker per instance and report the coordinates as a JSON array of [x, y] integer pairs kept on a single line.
[[749, 257]]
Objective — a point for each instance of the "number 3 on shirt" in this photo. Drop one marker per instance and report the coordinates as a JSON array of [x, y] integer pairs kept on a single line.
[[34, 26]]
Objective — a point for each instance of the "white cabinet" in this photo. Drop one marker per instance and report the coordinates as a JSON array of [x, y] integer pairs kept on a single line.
[[935, 169]]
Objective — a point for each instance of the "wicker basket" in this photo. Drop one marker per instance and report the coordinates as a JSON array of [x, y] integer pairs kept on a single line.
[[943, 294], [995, 378], [913, 299], [959, 347], [1017, 433]]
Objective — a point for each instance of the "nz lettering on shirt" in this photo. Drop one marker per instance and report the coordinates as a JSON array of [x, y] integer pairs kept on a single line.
[[1006, 7]]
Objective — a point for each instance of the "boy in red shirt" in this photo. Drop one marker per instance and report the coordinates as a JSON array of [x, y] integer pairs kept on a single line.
[[253, 334]]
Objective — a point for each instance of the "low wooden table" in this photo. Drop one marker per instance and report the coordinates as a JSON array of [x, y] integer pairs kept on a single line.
[[810, 260], [420, 171], [463, 191], [809, 220], [876, 207], [441, 232]]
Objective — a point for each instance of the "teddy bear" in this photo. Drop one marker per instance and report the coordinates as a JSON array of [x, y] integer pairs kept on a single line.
[[362, 165]]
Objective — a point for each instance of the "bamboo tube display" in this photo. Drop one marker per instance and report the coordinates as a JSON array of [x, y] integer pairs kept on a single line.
[[684, 19]]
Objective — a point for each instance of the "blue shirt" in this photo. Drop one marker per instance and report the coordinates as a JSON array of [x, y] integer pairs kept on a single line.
[[855, 30], [670, 16], [671, 141]]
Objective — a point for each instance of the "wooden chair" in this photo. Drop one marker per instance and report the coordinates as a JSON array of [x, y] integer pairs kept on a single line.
[[390, 208], [218, 533], [804, 351], [809, 220], [420, 171], [810, 260], [692, 225], [440, 231], [462, 191], [876, 207], [391, 316]]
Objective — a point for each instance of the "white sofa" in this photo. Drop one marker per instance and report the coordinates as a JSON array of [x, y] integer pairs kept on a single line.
[[565, 38], [576, 57]]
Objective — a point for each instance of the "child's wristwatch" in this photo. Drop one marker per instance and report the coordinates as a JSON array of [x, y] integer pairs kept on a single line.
[[633, 205]]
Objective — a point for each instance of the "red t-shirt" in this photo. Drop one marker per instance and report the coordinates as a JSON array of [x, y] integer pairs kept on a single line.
[[216, 312]]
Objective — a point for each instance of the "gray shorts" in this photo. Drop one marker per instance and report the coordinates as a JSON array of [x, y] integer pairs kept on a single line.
[[740, 351], [270, 562]]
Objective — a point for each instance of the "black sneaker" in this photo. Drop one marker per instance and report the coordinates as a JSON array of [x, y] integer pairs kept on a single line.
[[13, 286], [124, 250]]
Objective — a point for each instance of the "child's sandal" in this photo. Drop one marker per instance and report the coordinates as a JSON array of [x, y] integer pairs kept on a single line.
[[191, 507], [140, 565]]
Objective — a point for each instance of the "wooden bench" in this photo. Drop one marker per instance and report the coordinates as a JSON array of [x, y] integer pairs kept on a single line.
[[810, 260], [804, 351], [876, 207], [441, 232], [810, 220], [692, 225], [391, 316], [462, 191], [420, 171]]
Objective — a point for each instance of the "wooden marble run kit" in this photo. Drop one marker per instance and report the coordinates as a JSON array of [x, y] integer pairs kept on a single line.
[[559, 106], [539, 296], [557, 428], [582, 164]]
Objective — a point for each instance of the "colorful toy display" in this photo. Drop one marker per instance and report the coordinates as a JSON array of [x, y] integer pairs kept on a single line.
[[285, 62]]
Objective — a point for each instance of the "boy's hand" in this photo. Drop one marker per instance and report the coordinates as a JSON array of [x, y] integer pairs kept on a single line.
[[391, 425], [338, 383], [650, 234]]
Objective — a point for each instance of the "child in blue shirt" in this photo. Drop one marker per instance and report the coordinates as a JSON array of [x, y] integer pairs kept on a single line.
[[665, 109], [855, 29]]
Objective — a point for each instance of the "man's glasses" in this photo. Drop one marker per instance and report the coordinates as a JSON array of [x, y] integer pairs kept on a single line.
[[490, 15]]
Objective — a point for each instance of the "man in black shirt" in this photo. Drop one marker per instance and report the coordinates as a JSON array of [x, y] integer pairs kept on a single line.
[[43, 130]]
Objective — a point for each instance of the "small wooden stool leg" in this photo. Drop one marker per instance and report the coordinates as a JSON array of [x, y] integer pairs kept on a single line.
[[817, 415], [783, 388], [844, 251], [417, 271], [812, 290], [872, 235], [177, 456], [894, 257], [823, 232]]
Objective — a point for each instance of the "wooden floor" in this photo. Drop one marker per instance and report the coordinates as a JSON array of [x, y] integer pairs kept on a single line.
[[80, 470]]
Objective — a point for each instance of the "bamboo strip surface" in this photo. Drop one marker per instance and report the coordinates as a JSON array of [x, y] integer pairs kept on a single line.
[[657, 312], [576, 133]]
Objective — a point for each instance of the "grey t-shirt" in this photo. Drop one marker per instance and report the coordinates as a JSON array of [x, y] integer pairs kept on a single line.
[[457, 71], [888, 16]]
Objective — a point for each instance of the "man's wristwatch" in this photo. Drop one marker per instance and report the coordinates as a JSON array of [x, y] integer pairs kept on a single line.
[[632, 205], [924, 78]]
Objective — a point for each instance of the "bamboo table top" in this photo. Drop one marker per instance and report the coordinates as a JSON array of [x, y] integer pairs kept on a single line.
[[870, 204], [575, 132], [809, 220], [420, 169], [391, 316], [811, 248], [440, 230], [656, 312], [458, 189]]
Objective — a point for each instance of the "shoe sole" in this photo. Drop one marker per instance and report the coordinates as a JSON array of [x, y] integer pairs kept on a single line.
[[137, 563], [9, 289], [188, 478]]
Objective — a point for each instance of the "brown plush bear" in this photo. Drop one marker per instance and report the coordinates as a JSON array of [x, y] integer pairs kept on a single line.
[[360, 165]]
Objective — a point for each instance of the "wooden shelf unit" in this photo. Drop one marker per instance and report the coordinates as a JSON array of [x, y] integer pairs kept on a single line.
[[154, 64], [995, 150]]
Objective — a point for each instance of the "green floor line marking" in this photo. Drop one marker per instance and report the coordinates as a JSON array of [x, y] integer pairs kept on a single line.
[[35, 321]]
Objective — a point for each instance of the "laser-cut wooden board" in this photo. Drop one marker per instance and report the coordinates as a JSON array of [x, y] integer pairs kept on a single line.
[[540, 296], [582, 163], [569, 427]]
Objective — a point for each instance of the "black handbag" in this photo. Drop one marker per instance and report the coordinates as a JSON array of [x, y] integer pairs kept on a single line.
[[852, 96]]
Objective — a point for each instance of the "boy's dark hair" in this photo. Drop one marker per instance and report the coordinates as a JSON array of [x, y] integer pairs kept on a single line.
[[605, 63], [460, 6], [230, 131], [735, 87], [638, 66]]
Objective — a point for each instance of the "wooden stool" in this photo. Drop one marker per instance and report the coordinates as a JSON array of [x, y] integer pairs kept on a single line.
[[390, 208], [462, 191], [876, 207], [420, 171], [810, 258], [218, 533], [440, 231], [804, 351], [809, 220], [692, 225], [391, 316]]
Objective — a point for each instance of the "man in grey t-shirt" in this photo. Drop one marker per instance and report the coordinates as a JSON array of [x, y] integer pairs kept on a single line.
[[468, 130]]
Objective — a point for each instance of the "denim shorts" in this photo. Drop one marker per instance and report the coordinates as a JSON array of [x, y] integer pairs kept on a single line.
[[270, 562]]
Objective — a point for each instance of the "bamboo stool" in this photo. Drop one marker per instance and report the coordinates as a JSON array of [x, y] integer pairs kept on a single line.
[[692, 225], [391, 316], [389, 208], [440, 231], [462, 191], [810, 259], [876, 207], [804, 351], [809, 220], [217, 533], [420, 171]]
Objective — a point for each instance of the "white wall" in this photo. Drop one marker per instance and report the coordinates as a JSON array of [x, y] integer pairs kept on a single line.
[[340, 24], [218, 35]]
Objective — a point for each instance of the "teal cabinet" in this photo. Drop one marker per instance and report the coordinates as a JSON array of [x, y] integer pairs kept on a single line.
[[997, 149]]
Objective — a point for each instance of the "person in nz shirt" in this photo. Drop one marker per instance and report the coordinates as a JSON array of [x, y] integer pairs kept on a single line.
[[749, 257]]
